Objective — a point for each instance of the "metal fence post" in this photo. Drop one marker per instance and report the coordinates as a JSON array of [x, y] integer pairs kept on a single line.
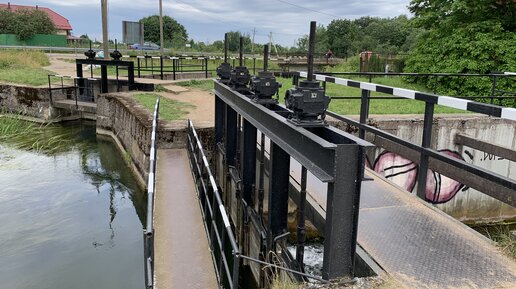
[[426, 143], [138, 61], [206, 67], [161, 66], [174, 64], [248, 161], [364, 111]]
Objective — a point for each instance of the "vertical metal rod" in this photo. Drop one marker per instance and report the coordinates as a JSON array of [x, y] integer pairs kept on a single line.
[[241, 51], [301, 232], [226, 49], [230, 136], [49, 89], [206, 67], [493, 90], [261, 180], [426, 143], [364, 111], [219, 120], [161, 66], [161, 27], [254, 65], [174, 66], [103, 79], [265, 57], [138, 61], [311, 50]]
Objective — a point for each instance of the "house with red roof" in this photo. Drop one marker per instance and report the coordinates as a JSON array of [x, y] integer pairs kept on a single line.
[[62, 25]]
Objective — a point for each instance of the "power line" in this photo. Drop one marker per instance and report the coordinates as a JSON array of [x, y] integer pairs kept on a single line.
[[309, 9]]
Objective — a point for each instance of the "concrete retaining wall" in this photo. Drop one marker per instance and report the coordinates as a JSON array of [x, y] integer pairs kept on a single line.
[[130, 124], [461, 202], [31, 101]]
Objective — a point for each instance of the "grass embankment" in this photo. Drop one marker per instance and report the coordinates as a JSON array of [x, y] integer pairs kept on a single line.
[[169, 109], [503, 235], [23, 67]]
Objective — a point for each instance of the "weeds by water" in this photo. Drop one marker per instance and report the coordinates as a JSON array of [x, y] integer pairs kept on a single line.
[[41, 138]]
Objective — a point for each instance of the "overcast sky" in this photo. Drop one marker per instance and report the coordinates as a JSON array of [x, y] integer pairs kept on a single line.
[[208, 20]]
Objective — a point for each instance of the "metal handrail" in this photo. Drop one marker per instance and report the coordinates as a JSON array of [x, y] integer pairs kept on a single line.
[[424, 150], [216, 236], [148, 232]]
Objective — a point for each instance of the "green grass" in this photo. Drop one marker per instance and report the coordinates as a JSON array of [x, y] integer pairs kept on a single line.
[[199, 84], [377, 106], [503, 235], [23, 67], [169, 109]]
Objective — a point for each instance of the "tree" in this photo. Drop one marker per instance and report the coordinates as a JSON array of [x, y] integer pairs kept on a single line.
[[25, 23], [174, 33], [341, 35], [464, 36], [234, 41]]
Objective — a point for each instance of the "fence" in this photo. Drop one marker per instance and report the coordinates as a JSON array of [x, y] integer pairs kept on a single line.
[[492, 184], [83, 88]]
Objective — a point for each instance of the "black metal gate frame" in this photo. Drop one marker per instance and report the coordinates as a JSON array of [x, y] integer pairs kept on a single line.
[[502, 188], [331, 155]]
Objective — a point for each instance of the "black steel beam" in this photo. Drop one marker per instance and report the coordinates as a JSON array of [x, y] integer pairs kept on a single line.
[[342, 207], [279, 178], [219, 119], [313, 152], [497, 150], [230, 137], [248, 157]]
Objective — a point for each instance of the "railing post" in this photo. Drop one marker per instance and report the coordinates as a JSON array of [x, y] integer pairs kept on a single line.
[[50, 89], [493, 89], [206, 67], [426, 143], [230, 136], [161, 66], [138, 61], [301, 231], [364, 111], [174, 64]]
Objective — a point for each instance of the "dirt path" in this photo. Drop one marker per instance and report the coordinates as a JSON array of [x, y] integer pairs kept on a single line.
[[203, 115]]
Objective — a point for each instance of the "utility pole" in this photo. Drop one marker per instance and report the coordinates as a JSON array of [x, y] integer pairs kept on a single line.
[[252, 45], [105, 38], [161, 26]]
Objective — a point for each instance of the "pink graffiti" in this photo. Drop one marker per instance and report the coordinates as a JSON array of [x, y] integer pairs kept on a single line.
[[403, 172]]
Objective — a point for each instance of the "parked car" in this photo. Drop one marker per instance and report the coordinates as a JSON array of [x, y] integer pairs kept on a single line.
[[145, 46]]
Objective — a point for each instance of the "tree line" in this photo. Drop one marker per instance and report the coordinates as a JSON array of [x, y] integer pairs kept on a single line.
[[25, 23]]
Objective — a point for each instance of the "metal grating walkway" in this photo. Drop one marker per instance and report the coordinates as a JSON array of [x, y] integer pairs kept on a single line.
[[422, 247]]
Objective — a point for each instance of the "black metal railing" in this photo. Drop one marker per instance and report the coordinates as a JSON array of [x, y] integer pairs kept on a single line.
[[497, 186], [148, 232], [84, 88], [225, 250], [495, 93], [220, 235]]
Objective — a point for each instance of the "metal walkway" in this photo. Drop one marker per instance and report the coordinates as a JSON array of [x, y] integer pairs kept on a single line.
[[181, 251], [420, 246]]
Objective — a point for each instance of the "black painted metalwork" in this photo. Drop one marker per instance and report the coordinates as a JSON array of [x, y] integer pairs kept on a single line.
[[264, 86], [301, 231], [329, 154], [308, 101], [240, 76]]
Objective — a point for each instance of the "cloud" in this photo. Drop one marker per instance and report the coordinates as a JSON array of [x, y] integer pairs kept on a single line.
[[208, 19]]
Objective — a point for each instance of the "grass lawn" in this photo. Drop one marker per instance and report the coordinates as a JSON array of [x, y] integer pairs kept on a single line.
[[169, 109], [352, 106], [23, 67]]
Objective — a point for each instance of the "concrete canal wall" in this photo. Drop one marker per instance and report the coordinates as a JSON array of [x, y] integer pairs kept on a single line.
[[456, 199], [130, 124], [31, 101]]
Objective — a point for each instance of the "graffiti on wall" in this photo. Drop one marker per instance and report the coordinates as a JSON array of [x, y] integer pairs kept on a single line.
[[403, 172]]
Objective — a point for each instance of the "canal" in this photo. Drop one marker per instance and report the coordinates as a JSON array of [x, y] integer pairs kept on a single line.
[[71, 212]]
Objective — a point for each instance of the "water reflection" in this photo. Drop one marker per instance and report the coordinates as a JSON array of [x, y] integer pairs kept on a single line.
[[71, 217]]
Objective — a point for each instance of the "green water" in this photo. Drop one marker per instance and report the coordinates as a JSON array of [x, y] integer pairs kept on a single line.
[[71, 216]]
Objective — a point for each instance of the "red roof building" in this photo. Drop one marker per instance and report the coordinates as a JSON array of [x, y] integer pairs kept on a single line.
[[62, 25]]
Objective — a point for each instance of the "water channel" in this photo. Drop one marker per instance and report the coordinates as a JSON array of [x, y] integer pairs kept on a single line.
[[71, 214]]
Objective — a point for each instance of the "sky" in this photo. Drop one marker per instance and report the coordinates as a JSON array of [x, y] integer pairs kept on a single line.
[[208, 20]]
